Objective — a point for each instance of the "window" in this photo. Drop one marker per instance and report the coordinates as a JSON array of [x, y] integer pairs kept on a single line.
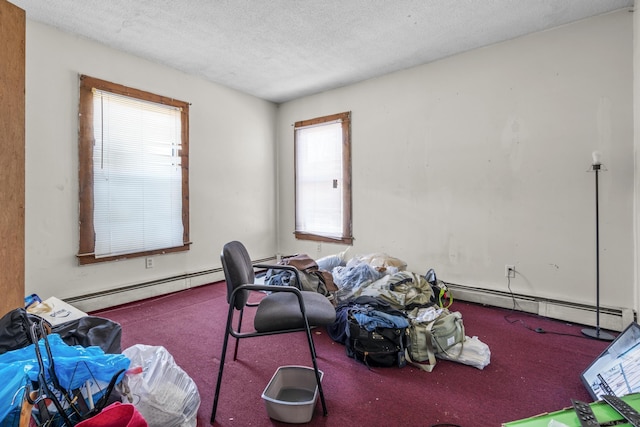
[[323, 179], [133, 172]]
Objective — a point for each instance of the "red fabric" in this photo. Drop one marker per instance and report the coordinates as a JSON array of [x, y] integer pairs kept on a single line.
[[116, 415]]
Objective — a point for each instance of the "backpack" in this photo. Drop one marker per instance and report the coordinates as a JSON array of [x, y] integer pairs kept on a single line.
[[376, 335], [431, 337]]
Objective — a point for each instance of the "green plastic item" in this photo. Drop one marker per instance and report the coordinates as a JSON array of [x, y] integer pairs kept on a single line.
[[603, 412]]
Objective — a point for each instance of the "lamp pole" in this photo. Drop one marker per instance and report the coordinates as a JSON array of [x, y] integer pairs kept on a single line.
[[597, 333]]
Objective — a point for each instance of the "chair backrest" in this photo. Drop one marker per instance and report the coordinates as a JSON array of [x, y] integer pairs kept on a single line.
[[238, 271]]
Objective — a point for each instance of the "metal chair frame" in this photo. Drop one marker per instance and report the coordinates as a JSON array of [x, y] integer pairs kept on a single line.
[[238, 334]]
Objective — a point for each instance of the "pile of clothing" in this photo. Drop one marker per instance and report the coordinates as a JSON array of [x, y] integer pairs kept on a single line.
[[377, 293]]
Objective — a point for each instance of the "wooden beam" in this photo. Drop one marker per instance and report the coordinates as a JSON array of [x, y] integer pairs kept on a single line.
[[12, 157]]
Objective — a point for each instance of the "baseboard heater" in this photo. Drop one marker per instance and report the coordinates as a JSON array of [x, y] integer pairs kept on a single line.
[[611, 318], [614, 319], [130, 293]]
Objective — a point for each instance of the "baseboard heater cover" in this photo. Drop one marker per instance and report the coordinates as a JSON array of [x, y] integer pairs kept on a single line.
[[127, 294], [614, 319], [611, 318], [139, 291]]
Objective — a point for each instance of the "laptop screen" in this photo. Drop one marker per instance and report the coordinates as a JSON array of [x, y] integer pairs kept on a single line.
[[617, 370]]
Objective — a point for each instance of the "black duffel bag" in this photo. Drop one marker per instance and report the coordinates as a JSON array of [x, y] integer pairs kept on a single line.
[[377, 346], [86, 331], [91, 330], [15, 329]]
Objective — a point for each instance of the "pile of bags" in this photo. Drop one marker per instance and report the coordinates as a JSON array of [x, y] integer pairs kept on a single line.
[[387, 316], [74, 374]]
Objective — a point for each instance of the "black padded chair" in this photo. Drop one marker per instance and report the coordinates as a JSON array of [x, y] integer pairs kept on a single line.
[[284, 309]]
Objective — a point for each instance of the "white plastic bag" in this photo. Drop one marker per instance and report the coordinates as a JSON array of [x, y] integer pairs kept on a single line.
[[472, 352], [161, 391]]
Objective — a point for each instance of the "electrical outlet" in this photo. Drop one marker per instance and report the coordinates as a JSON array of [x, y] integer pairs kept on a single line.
[[510, 271], [149, 262]]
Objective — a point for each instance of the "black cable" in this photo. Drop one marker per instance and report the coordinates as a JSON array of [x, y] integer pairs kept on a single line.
[[522, 312], [513, 297]]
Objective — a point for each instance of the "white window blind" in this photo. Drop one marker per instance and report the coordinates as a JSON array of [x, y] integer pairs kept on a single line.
[[137, 175], [319, 179]]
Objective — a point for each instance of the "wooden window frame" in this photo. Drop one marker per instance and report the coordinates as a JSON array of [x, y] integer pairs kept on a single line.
[[86, 254], [347, 226]]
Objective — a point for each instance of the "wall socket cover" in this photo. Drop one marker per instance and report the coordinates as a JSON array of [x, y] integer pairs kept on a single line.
[[510, 271]]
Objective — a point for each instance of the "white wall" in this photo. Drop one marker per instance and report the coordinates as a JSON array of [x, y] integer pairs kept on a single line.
[[232, 158], [480, 160], [463, 165]]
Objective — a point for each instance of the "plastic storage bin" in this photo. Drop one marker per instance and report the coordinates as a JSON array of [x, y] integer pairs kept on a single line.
[[291, 394]]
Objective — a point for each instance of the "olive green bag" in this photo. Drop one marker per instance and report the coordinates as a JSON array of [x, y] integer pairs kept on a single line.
[[429, 338]]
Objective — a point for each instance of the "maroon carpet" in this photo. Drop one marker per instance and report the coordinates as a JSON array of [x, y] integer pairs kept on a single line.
[[530, 373]]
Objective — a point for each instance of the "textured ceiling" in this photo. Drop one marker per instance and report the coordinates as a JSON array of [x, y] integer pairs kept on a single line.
[[280, 50]]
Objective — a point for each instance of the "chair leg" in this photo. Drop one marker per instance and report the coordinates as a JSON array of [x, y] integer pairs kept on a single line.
[[314, 355], [312, 349], [222, 358], [235, 351]]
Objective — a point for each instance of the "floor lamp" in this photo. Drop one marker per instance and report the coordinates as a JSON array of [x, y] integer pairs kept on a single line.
[[597, 333]]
